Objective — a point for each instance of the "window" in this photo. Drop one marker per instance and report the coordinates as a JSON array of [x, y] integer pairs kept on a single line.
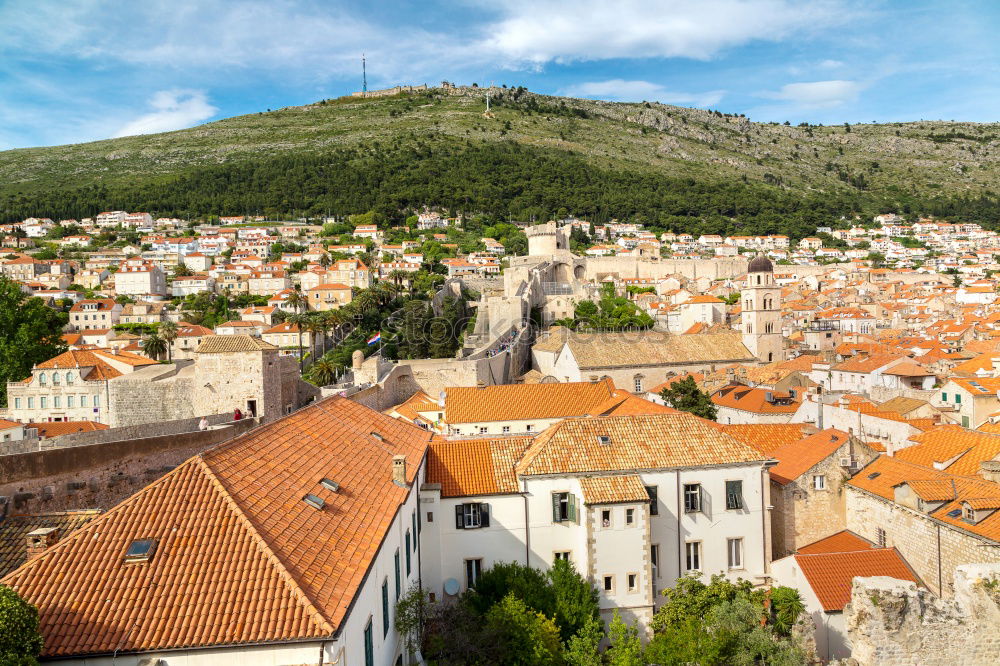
[[609, 583], [397, 575], [55, 379], [529, 428], [57, 401], [369, 645], [958, 398], [654, 503], [562, 555], [140, 550], [692, 550], [472, 515], [880, 537], [965, 421], [819, 481], [416, 529], [69, 377], [605, 517], [735, 549], [83, 401], [505, 429], [638, 384], [734, 494], [692, 497], [385, 607], [97, 401], [654, 559], [430, 516], [43, 402], [17, 403], [629, 516], [944, 397], [563, 507], [482, 430], [633, 582], [69, 401], [31, 403], [473, 569], [43, 378], [408, 563]]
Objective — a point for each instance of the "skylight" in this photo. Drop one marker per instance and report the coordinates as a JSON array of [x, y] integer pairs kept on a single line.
[[604, 440], [954, 513], [314, 501], [874, 475], [330, 484], [140, 550]]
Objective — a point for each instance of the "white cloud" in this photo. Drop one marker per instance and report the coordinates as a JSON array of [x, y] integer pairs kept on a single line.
[[830, 64], [817, 94], [535, 32], [172, 109], [620, 90]]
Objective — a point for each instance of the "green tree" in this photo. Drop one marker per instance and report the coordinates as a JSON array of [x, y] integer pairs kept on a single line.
[[528, 638], [582, 648], [20, 639], [685, 395], [168, 331], [30, 333], [625, 648], [154, 346], [576, 600], [322, 372]]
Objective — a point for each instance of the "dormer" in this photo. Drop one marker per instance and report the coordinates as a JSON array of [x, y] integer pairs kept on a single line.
[[975, 510]]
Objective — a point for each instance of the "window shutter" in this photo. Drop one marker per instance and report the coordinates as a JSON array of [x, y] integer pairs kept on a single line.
[[555, 507], [484, 515], [572, 507], [460, 517]]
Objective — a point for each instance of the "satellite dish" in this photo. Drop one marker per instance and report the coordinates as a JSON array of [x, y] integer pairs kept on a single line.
[[451, 587]]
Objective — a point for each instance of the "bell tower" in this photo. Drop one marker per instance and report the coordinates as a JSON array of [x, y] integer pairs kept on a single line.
[[761, 314]]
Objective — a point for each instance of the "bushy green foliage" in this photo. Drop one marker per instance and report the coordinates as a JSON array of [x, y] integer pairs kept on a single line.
[[20, 640], [685, 395], [30, 332], [610, 313]]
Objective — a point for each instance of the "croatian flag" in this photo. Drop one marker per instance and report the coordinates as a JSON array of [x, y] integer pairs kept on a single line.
[[375, 338]]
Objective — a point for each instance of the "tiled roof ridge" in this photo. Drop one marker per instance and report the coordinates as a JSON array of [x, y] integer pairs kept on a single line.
[[321, 621]]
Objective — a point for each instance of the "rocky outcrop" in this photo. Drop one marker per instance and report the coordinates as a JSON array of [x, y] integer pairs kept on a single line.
[[890, 622]]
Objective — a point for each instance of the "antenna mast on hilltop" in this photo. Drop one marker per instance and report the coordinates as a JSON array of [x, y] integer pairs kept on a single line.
[[488, 113], [364, 74]]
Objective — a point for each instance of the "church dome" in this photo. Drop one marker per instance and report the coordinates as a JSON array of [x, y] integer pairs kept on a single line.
[[760, 264]]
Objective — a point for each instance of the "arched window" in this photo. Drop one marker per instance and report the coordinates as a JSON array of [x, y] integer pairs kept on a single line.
[[43, 379], [638, 383], [69, 377], [758, 279], [55, 378]]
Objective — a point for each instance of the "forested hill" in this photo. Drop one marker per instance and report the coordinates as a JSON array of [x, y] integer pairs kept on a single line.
[[536, 157]]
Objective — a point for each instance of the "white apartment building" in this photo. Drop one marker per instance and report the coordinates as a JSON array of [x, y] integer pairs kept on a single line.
[[94, 313], [138, 278], [633, 501]]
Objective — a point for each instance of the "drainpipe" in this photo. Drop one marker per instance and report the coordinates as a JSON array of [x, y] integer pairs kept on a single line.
[[680, 541], [527, 525]]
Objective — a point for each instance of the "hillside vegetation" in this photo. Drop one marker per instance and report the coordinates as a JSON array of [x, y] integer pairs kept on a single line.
[[537, 157]]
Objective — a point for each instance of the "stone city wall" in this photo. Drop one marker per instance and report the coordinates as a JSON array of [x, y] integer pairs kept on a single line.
[[98, 476], [891, 622]]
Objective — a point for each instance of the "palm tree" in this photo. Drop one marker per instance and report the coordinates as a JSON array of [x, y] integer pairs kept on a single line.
[[399, 276], [154, 346], [168, 331], [366, 301], [322, 372], [298, 321], [324, 324], [296, 300]]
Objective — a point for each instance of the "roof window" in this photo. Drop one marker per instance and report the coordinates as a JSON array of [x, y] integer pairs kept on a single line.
[[330, 484], [140, 550], [314, 501], [874, 475], [604, 440], [377, 436]]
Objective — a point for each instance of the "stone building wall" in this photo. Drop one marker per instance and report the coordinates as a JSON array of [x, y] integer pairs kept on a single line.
[[933, 550], [803, 514], [134, 402], [891, 622], [98, 476]]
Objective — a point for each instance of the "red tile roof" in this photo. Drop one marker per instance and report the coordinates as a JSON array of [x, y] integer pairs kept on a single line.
[[240, 557], [475, 466], [797, 458], [831, 574], [841, 542]]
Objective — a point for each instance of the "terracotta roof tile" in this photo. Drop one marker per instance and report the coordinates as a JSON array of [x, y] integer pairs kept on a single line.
[[796, 458], [653, 348], [517, 402], [56, 428], [240, 558], [766, 438], [475, 466], [745, 398], [831, 574], [841, 542], [218, 344], [14, 532], [656, 441], [613, 489]]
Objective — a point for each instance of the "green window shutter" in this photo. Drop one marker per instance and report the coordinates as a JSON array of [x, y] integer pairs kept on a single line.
[[572, 507], [958, 398], [555, 508], [385, 608], [484, 515], [459, 517]]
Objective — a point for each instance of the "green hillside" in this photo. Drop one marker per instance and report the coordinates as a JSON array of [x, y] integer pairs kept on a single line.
[[536, 156]]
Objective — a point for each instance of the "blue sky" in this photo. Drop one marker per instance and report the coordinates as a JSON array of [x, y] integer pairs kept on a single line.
[[81, 70]]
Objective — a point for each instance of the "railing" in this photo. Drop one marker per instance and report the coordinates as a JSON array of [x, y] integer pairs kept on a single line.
[[557, 289]]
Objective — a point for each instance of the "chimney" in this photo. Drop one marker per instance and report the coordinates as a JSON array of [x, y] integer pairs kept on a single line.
[[41, 540], [990, 470], [399, 470]]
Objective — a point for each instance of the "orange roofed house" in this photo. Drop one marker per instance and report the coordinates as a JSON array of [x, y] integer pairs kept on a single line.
[[287, 545]]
